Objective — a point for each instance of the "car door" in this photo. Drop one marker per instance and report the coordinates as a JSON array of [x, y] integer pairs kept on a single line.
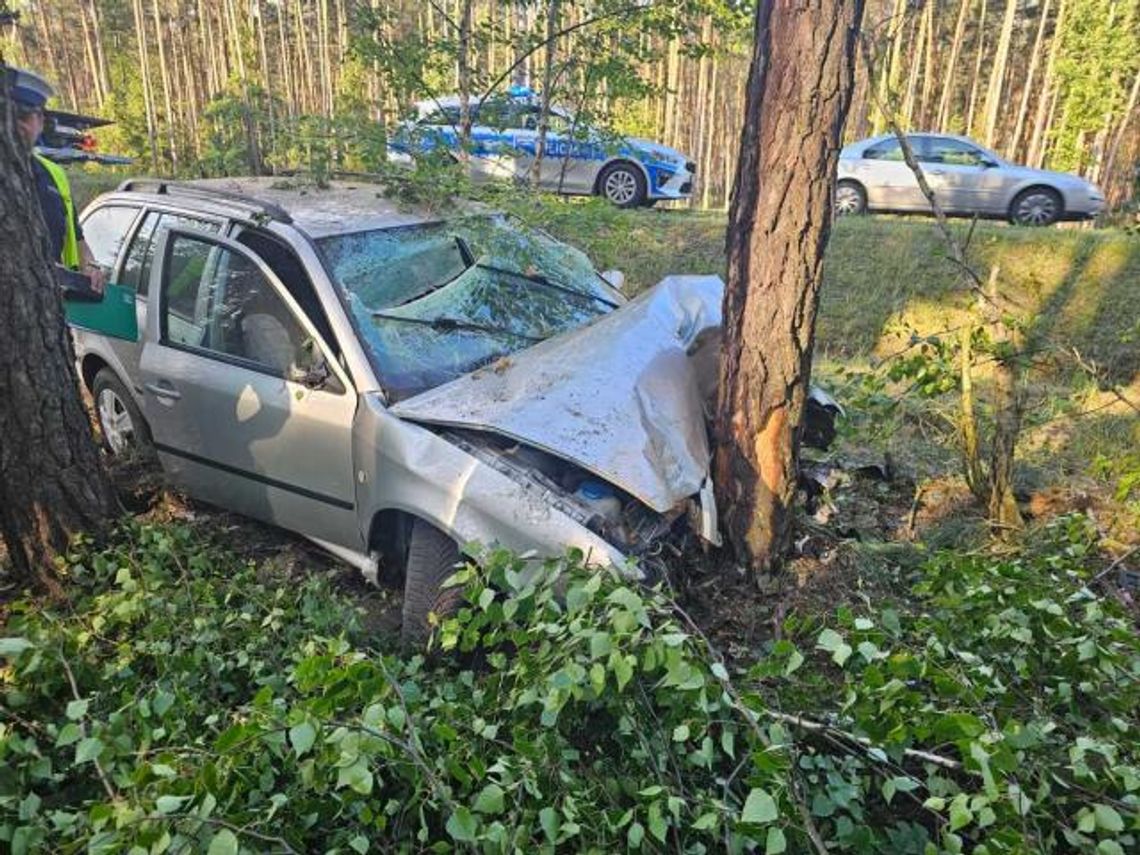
[[964, 178], [135, 271], [233, 392], [890, 183]]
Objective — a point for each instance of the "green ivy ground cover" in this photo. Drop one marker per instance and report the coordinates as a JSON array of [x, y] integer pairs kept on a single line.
[[188, 701]]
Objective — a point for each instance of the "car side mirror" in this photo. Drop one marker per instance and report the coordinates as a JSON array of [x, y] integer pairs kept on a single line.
[[615, 277], [989, 164], [313, 377]]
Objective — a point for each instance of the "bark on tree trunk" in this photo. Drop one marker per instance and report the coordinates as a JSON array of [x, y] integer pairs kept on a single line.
[[52, 483], [799, 92]]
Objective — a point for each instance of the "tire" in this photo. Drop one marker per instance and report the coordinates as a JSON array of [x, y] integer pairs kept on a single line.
[[850, 199], [432, 557], [1037, 206], [623, 184], [121, 424]]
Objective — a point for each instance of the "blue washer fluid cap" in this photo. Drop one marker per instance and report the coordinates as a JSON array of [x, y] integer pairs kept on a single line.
[[595, 490]]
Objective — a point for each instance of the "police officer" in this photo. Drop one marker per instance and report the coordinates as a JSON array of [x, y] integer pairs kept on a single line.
[[29, 94]]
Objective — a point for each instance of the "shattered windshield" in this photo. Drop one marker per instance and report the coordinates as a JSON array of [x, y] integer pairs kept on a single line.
[[438, 300]]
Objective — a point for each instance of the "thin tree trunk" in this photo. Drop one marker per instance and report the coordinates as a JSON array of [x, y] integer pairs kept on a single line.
[[52, 484], [547, 85], [92, 62], [166, 100], [101, 58], [980, 51], [1047, 99], [997, 73], [463, 75], [947, 101], [799, 92], [1112, 186], [148, 94], [1014, 146]]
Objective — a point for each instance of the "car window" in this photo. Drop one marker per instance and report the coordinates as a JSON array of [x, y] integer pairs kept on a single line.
[[105, 230], [885, 150], [951, 152], [435, 301], [218, 300], [136, 266]]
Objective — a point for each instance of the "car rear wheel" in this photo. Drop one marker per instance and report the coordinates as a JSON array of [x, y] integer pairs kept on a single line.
[[432, 559], [1037, 206], [122, 425], [624, 185], [850, 199]]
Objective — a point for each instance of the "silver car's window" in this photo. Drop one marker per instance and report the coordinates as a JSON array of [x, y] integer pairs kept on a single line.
[[434, 302], [885, 150], [104, 232], [218, 301], [136, 266], [950, 152]]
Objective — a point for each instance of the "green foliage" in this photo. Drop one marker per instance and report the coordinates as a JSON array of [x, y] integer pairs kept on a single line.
[[1099, 47], [187, 700]]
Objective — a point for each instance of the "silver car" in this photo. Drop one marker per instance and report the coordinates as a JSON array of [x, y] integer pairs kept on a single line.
[[394, 386], [966, 178]]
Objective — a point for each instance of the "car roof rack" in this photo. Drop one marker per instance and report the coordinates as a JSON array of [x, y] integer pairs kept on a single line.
[[253, 205]]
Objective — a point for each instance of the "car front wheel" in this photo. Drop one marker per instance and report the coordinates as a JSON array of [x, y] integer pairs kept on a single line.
[[849, 199], [624, 185], [432, 559], [120, 422], [1037, 206]]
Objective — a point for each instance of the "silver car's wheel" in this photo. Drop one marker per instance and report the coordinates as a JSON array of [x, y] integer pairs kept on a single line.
[[623, 185], [120, 422], [849, 199], [1037, 206]]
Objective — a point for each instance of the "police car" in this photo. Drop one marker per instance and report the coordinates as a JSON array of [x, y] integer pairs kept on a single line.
[[578, 160]]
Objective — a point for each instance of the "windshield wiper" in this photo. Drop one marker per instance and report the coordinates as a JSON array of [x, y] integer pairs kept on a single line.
[[448, 324], [542, 280]]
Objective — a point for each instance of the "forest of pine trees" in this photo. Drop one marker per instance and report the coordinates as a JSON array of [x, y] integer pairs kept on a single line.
[[234, 86]]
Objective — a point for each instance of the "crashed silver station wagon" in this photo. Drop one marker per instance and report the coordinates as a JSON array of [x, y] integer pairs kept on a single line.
[[393, 385]]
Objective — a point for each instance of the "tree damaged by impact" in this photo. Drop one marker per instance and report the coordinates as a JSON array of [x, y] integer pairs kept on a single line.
[[799, 91]]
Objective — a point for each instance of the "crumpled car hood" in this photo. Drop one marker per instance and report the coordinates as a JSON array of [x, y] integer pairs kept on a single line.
[[622, 398]]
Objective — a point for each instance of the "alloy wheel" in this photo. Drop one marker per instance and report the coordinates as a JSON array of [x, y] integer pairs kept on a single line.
[[115, 421], [848, 200], [620, 186], [1036, 209]]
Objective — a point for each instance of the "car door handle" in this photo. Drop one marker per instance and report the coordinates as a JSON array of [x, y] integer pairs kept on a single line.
[[168, 393], [937, 171]]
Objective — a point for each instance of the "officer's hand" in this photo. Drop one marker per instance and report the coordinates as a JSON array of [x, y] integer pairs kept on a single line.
[[97, 276]]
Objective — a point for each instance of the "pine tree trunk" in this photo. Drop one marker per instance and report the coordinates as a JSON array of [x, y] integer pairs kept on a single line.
[[979, 54], [1014, 146], [1047, 100], [547, 86], [946, 103], [166, 99], [997, 73], [799, 92], [148, 92], [52, 484]]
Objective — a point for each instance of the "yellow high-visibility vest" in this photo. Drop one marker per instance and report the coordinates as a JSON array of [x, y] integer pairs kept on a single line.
[[70, 254]]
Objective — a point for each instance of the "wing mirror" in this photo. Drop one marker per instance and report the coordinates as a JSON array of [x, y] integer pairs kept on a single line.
[[313, 377], [989, 164]]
